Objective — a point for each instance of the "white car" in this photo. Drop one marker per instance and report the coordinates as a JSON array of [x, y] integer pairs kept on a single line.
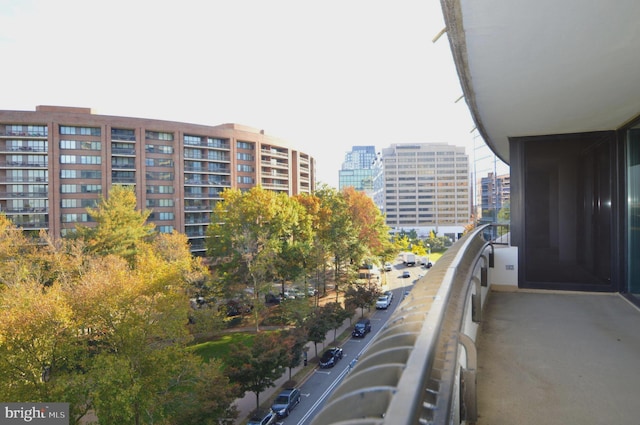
[[387, 267], [389, 295], [383, 302]]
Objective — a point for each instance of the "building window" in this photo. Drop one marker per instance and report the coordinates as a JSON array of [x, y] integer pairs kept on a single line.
[[166, 216], [165, 229], [152, 175], [80, 174], [245, 180], [245, 145], [218, 143], [80, 159], [81, 188], [123, 134], [27, 145], [162, 149], [158, 135], [244, 156], [192, 140], [245, 168], [158, 162], [159, 189], [80, 145], [27, 130], [152, 203], [75, 218], [80, 131]]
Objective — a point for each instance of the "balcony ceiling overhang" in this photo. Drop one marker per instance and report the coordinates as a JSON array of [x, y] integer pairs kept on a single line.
[[541, 67]]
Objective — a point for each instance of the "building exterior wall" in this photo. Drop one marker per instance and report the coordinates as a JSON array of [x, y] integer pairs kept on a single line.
[[494, 195], [426, 187], [56, 161], [357, 169]]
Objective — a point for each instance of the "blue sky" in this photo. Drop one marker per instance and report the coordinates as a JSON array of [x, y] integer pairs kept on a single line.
[[323, 76]]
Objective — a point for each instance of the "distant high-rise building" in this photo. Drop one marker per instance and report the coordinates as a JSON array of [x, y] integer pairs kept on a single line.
[[494, 195], [357, 169], [425, 186], [57, 161], [487, 193]]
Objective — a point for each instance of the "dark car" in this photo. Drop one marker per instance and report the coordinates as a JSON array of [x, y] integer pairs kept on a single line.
[[406, 274], [331, 357], [286, 401], [262, 417], [362, 327]]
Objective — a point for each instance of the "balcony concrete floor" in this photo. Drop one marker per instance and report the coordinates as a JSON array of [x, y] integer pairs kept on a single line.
[[558, 358]]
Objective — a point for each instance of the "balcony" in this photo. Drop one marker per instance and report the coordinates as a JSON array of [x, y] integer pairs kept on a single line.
[[487, 353], [24, 195], [274, 153], [123, 152], [22, 164], [22, 134], [273, 163], [23, 179]]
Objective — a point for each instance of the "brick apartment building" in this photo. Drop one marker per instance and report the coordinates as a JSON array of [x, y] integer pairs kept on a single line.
[[56, 161]]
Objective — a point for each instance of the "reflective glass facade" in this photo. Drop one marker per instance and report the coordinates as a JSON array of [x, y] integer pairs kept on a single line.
[[633, 211]]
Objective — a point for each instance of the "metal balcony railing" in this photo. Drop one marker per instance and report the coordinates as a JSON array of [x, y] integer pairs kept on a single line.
[[414, 371]]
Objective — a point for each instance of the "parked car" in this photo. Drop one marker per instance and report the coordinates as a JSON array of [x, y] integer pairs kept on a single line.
[[331, 357], [406, 274], [271, 299], [262, 417], [361, 328], [387, 267], [286, 401], [237, 308], [389, 294], [289, 295], [383, 302]]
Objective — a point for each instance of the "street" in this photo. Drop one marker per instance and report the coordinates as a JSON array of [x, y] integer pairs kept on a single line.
[[317, 388]]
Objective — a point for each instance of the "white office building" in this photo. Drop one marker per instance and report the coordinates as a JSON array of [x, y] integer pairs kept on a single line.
[[425, 186]]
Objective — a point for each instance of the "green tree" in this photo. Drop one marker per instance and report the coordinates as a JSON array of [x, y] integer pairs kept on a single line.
[[293, 257], [37, 347], [92, 330], [317, 328], [403, 243], [369, 223], [293, 340], [120, 228], [334, 315], [205, 397], [360, 296], [247, 236], [316, 262], [339, 235], [256, 368]]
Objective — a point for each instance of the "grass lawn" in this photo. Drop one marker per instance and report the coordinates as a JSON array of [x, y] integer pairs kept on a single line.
[[435, 256], [219, 348]]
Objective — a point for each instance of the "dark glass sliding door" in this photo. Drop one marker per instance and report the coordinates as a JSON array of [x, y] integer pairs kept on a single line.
[[566, 215]]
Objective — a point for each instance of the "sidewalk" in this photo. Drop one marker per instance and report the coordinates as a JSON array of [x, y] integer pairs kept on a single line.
[[247, 404]]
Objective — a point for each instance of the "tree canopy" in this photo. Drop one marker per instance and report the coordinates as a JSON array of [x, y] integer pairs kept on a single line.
[[103, 328], [120, 228], [258, 238]]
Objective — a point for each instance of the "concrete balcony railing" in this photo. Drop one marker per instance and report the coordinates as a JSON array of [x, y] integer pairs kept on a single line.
[[421, 368]]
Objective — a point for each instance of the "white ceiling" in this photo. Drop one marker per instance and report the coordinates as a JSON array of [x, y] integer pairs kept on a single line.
[[538, 67]]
